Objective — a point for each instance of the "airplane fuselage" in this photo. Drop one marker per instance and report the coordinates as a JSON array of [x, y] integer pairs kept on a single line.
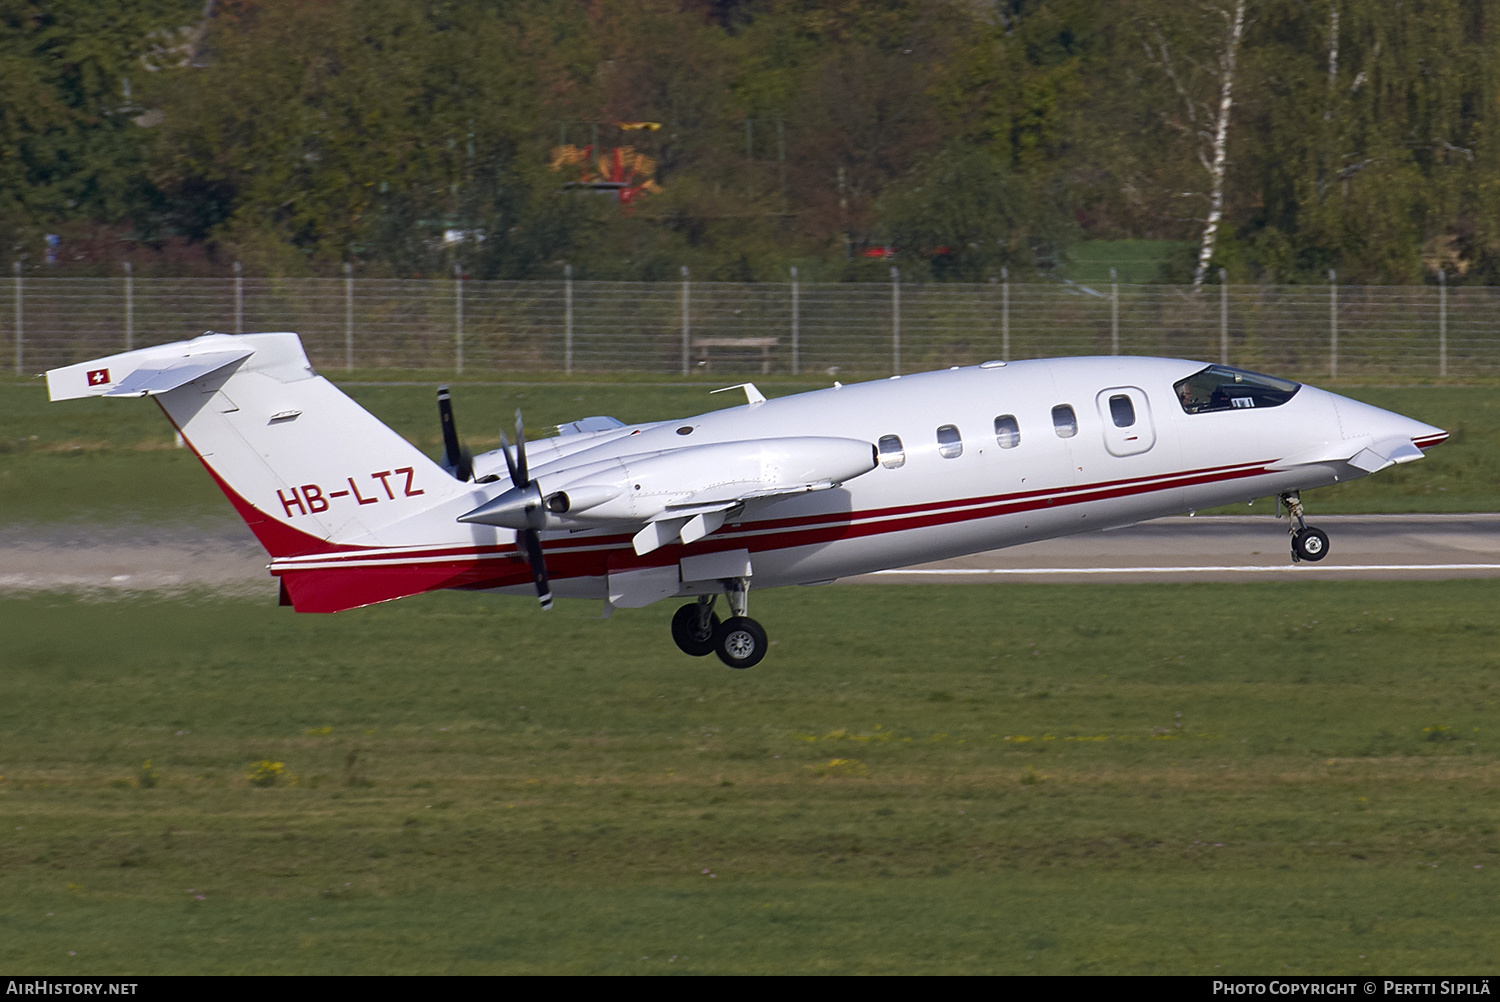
[[981, 487], [798, 490]]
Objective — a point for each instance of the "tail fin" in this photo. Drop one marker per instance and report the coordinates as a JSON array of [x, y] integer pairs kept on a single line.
[[308, 469]]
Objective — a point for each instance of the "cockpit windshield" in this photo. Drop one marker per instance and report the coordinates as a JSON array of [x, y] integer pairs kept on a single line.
[[1221, 388]]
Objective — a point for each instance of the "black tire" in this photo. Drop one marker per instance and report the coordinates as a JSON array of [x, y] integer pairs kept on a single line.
[[740, 642], [685, 631], [1310, 544]]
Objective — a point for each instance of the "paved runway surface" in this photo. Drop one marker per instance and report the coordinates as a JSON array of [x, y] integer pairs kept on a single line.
[[225, 557], [1238, 548]]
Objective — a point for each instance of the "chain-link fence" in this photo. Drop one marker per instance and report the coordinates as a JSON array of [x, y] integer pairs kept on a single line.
[[504, 328]]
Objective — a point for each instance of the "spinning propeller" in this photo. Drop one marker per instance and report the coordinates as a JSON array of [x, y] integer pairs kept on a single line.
[[456, 459], [530, 539], [460, 462]]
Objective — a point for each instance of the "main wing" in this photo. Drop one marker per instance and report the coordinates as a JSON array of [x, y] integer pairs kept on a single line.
[[664, 495]]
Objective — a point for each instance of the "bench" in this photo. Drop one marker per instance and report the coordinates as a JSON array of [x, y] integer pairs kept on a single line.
[[702, 346]]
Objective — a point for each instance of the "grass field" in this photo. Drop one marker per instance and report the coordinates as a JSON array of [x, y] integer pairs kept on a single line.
[[1204, 779], [1198, 779], [110, 459]]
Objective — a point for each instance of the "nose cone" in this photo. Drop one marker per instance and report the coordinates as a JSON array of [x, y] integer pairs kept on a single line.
[[517, 508], [1359, 420]]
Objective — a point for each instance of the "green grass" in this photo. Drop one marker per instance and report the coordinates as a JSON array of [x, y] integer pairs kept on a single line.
[[112, 459], [1195, 779]]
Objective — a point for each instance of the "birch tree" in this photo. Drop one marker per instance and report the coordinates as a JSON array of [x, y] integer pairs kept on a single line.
[[1204, 88]]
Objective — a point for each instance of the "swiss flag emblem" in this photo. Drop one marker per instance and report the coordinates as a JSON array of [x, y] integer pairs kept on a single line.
[[98, 377]]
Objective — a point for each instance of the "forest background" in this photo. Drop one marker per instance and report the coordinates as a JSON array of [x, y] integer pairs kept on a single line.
[[1275, 139]]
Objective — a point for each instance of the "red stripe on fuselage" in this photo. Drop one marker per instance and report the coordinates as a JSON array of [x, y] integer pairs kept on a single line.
[[369, 576]]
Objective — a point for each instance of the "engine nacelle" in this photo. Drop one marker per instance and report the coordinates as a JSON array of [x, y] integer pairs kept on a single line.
[[641, 488]]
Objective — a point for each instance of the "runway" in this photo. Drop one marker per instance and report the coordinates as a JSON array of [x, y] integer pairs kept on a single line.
[[224, 556], [1237, 548]]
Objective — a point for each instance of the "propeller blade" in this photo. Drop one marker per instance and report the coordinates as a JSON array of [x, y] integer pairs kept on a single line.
[[510, 464], [456, 459], [532, 540], [521, 450]]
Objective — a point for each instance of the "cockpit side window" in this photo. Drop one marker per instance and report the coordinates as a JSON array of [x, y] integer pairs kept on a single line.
[[1221, 388]]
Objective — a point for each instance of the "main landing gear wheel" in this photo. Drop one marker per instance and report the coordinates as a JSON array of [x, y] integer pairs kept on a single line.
[[1310, 544], [740, 642], [693, 634]]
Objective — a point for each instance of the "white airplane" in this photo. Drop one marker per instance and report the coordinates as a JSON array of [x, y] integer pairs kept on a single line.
[[803, 489]]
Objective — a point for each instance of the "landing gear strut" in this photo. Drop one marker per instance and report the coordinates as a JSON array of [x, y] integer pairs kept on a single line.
[[1307, 543], [739, 641]]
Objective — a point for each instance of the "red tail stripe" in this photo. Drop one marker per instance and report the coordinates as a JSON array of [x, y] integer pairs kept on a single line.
[[279, 539]]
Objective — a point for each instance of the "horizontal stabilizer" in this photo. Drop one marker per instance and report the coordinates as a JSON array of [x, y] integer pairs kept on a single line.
[[157, 369], [147, 382]]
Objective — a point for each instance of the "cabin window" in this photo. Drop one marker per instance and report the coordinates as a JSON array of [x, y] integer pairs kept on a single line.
[[1007, 431], [1064, 421], [1221, 388], [892, 453], [1121, 410], [950, 442]]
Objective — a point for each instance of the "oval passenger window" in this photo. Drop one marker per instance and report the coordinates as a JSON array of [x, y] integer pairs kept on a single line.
[[1064, 421], [1007, 431], [892, 453], [950, 443], [1121, 410]]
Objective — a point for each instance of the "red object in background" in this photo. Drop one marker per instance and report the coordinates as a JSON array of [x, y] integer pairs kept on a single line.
[[878, 252], [621, 171]]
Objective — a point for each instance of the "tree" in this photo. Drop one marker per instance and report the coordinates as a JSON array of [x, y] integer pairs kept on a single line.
[[966, 215], [1203, 79], [328, 131], [70, 145]]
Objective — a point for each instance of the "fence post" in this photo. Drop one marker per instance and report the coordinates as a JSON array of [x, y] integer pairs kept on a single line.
[[1333, 324], [1114, 312], [20, 340], [1442, 322], [796, 319], [1223, 317], [895, 321], [348, 316], [458, 329], [687, 326], [1005, 314], [239, 298], [567, 319], [129, 307], [20, 317]]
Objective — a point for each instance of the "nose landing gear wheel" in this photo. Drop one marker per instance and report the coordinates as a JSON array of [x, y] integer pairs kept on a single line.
[[692, 634], [740, 642], [1310, 544]]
